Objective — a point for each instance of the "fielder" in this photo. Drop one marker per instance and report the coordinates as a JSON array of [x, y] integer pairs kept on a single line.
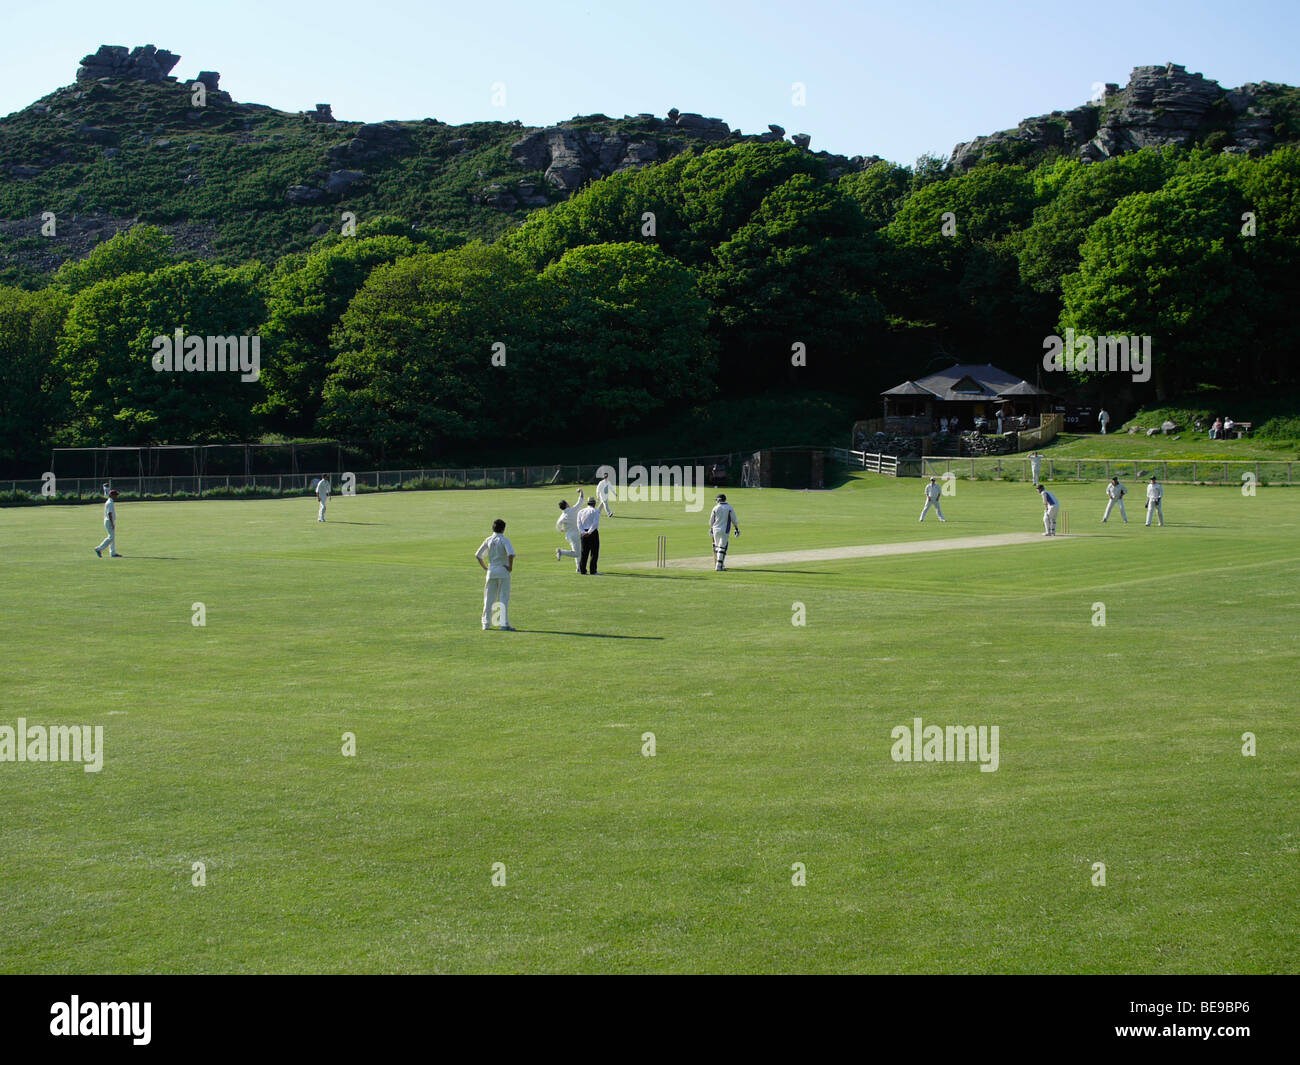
[[722, 521], [1051, 509], [603, 491], [499, 565], [1035, 465], [110, 524], [932, 494], [1155, 502], [323, 496], [1115, 493], [567, 526]]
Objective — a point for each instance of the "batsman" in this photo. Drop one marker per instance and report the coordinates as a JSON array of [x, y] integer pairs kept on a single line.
[[722, 523]]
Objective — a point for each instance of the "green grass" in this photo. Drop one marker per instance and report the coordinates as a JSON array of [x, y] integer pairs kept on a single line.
[[1189, 447], [1119, 744]]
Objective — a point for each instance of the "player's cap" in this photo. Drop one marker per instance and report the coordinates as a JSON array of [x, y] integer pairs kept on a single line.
[[720, 498], [112, 493]]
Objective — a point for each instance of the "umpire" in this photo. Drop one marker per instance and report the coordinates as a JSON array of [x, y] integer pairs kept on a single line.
[[589, 532]]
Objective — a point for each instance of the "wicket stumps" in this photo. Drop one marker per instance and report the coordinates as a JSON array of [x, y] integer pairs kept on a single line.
[[1065, 523], [661, 552]]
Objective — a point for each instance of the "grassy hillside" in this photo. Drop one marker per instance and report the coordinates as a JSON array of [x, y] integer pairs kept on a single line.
[[101, 155], [1195, 447]]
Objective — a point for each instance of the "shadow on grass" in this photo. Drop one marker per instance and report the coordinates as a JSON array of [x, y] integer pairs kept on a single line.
[[675, 576], [335, 521], [801, 572], [593, 635]]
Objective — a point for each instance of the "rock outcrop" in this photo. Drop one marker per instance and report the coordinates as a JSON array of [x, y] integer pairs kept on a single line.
[[145, 63], [573, 153], [1160, 105], [372, 142], [570, 157]]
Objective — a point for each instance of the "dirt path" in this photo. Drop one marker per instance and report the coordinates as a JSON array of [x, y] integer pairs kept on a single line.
[[735, 560]]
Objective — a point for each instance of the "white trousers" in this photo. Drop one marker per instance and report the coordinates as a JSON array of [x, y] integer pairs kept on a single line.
[[1156, 507], [109, 541], [604, 505], [575, 546], [721, 540], [926, 509], [1110, 503], [496, 590], [320, 516], [1049, 520]]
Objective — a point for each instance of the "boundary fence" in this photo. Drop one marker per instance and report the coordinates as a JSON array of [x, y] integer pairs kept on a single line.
[[1175, 471], [75, 488], [871, 461]]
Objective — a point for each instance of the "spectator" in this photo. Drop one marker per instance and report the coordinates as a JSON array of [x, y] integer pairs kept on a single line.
[[1228, 423], [943, 425], [1216, 430]]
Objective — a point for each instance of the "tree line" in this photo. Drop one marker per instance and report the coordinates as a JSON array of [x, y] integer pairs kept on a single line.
[[742, 271]]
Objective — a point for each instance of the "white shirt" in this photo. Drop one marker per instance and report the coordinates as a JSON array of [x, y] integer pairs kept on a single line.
[[1113, 490], [568, 520], [933, 492], [1049, 499], [110, 511], [1155, 493], [498, 549], [604, 489], [722, 519], [588, 519], [322, 489], [1103, 417]]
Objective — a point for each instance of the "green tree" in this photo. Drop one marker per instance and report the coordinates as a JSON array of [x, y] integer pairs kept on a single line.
[[1170, 265], [107, 349], [628, 341], [1078, 195], [879, 191], [139, 250], [800, 270], [306, 299], [414, 369], [32, 397], [949, 260], [1271, 194]]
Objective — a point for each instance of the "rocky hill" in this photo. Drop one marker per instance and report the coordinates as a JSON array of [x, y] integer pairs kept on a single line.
[[130, 142], [1160, 105]]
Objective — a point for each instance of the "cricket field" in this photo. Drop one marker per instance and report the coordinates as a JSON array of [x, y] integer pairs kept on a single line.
[[664, 770]]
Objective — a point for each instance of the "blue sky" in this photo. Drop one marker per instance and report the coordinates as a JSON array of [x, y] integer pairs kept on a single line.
[[890, 79]]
